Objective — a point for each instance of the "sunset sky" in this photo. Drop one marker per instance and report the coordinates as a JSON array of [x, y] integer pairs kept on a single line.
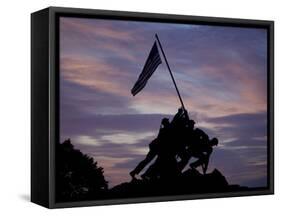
[[220, 71]]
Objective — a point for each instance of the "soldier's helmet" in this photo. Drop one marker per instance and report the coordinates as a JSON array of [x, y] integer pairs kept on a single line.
[[214, 142], [180, 109], [191, 123], [165, 121]]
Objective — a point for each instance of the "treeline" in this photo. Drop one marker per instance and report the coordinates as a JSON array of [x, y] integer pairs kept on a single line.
[[78, 176]]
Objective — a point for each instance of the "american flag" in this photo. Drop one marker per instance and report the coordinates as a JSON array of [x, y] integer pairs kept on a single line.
[[150, 66]]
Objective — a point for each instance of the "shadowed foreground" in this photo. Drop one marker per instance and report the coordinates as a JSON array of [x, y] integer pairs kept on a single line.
[[190, 182], [78, 178]]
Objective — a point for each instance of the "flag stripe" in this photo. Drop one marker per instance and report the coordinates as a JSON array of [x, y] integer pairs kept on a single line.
[[141, 83], [150, 66], [152, 57], [147, 76], [146, 67]]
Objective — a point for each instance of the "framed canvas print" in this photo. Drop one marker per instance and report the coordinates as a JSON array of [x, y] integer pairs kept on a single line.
[[139, 107]]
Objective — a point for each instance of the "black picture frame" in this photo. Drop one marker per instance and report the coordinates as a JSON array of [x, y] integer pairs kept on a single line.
[[45, 98]]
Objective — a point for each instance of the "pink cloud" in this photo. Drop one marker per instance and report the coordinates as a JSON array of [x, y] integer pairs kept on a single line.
[[104, 29], [95, 74]]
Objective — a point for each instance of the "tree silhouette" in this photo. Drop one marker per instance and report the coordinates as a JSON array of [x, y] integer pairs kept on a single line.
[[78, 176]]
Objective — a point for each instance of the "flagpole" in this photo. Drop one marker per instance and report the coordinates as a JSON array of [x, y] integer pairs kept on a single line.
[[170, 71]]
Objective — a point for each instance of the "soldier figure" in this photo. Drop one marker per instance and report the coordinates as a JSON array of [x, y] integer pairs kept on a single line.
[[202, 152], [199, 146], [176, 139], [154, 147]]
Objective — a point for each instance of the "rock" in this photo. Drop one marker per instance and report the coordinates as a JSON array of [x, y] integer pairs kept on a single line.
[[190, 182]]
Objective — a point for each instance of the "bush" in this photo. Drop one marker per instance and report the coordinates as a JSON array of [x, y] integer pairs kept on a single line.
[[78, 176]]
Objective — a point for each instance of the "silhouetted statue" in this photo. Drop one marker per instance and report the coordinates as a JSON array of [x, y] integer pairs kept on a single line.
[[179, 127], [175, 144], [202, 152], [178, 115], [180, 118], [198, 145], [154, 147], [165, 166]]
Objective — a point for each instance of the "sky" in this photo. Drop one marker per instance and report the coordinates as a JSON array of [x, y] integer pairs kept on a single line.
[[221, 73]]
